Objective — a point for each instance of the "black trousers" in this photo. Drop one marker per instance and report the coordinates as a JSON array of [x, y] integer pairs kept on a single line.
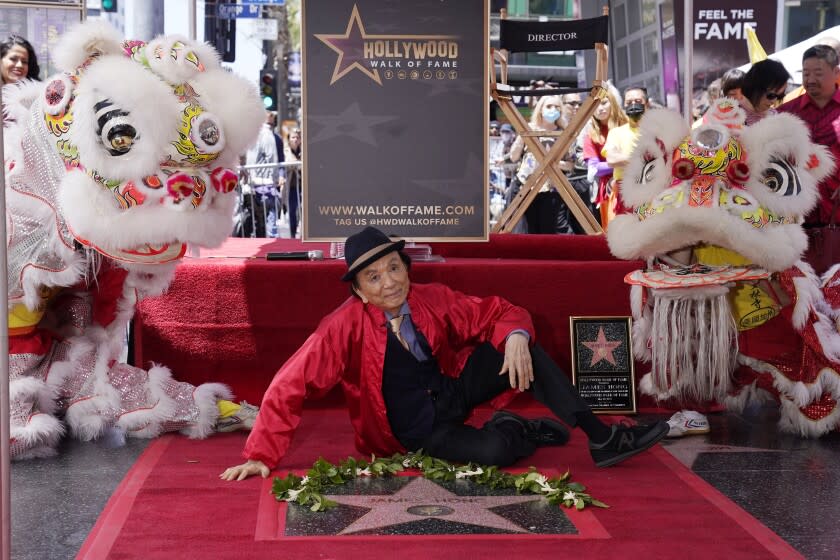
[[479, 382], [548, 213]]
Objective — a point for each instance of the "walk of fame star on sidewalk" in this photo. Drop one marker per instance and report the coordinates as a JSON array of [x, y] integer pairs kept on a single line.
[[423, 499], [688, 449]]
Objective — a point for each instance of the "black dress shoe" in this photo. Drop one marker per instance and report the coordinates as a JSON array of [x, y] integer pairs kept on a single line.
[[540, 431]]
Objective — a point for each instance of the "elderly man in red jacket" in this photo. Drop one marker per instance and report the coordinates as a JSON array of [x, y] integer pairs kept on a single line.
[[414, 360]]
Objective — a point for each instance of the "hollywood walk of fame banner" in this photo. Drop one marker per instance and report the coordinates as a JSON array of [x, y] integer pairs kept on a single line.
[[395, 112], [602, 363]]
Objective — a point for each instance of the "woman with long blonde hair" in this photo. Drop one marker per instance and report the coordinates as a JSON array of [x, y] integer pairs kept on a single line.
[[607, 115]]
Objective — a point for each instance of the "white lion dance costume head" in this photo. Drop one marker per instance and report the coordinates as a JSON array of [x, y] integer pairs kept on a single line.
[[716, 213], [113, 167]]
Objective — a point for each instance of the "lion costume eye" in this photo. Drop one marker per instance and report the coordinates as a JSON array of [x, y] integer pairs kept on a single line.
[[781, 178], [122, 142], [114, 128], [207, 135], [647, 172]]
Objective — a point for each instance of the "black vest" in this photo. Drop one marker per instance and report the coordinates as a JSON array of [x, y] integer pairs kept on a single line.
[[409, 388]]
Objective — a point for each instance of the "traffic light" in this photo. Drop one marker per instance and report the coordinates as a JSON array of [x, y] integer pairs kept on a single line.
[[268, 89], [109, 5]]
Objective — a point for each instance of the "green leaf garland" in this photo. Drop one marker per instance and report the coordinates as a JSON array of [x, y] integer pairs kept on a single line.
[[309, 489]]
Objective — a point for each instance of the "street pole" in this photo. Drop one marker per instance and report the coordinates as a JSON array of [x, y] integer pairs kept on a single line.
[[277, 52], [688, 49], [191, 18], [5, 452]]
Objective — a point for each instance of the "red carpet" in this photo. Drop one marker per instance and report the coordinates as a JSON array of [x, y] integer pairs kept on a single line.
[[172, 504]]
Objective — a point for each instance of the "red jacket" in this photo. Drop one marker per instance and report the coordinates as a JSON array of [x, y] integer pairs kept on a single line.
[[348, 347]]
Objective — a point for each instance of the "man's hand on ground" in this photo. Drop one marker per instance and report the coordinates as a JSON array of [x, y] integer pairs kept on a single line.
[[243, 471], [517, 362]]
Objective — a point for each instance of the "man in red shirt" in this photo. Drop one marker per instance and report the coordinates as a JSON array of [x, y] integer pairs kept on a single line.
[[820, 109]]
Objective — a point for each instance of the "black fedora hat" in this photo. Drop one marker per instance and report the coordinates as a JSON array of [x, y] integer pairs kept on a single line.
[[365, 247]]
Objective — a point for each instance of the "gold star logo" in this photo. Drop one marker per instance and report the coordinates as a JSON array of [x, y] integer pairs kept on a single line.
[[350, 47]]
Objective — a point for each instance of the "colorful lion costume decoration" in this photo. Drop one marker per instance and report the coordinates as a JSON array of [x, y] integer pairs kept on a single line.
[[726, 310], [113, 167]]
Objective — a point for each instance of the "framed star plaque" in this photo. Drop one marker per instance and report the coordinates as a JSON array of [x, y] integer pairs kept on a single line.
[[395, 117], [602, 363]]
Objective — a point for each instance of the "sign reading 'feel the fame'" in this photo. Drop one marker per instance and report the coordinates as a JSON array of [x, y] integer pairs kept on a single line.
[[395, 118]]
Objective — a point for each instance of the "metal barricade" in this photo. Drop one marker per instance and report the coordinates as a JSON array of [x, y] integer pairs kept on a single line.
[[250, 209]]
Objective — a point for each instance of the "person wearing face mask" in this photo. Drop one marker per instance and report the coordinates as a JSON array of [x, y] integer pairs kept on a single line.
[[820, 109], [622, 139], [608, 115], [547, 212]]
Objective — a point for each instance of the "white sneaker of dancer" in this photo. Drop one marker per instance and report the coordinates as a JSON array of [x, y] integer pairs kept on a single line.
[[688, 423]]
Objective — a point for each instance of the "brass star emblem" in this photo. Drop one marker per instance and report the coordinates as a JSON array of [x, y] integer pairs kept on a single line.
[[351, 44]]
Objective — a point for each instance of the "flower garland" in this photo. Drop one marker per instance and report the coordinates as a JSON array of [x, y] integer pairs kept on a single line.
[[309, 489]]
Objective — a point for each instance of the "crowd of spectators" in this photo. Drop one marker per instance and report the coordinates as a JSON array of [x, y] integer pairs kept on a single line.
[[593, 164], [608, 137], [585, 165]]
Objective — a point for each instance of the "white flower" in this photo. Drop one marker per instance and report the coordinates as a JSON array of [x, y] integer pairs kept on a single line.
[[293, 494], [466, 473], [569, 496], [543, 483], [363, 472], [304, 481]]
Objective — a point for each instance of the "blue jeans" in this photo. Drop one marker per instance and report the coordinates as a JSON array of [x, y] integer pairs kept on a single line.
[[265, 208]]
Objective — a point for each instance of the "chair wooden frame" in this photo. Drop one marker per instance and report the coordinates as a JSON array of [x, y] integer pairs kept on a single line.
[[547, 159]]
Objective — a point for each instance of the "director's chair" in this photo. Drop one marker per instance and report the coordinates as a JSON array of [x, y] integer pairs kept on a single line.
[[535, 36]]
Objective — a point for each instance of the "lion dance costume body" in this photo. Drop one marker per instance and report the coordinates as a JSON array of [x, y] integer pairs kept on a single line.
[[113, 167], [726, 310]]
